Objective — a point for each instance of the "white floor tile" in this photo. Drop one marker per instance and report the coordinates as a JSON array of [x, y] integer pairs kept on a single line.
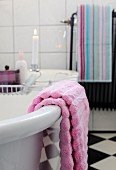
[[107, 146], [104, 135], [55, 163], [106, 164]]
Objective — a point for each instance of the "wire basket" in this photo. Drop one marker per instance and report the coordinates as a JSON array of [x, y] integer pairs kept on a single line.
[[14, 89]]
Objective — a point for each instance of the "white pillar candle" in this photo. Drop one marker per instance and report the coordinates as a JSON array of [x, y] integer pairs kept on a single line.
[[35, 48]]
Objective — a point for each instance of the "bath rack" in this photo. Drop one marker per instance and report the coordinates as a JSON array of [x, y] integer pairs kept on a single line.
[[24, 88], [14, 89]]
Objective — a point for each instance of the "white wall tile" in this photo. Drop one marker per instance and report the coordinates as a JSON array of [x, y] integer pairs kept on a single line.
[[26, 12], [71, 6], [74, 64], [6, 39], [68, 34], [23, 38], [6, 59], [6, 13], [111, 2], [67, 60], [53, 61], [51, 39], [74, 38], [52, 11]]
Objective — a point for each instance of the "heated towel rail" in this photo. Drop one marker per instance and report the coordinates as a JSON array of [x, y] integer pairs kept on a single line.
[[101, 95]]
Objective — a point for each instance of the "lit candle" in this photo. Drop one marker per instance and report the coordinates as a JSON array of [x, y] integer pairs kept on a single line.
[[35, 49]]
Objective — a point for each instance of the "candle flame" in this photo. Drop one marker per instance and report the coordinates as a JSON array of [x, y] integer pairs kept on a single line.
[[35, 31]]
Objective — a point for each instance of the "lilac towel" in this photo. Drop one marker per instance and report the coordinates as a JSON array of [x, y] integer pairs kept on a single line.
[[71, 97]]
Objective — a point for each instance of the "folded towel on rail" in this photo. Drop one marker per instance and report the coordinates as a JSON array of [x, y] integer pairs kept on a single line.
[[85, 41], [71, 97], [94, 34]]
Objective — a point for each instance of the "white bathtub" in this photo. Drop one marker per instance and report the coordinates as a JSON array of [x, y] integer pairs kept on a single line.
[[20, 136], [20, 133]]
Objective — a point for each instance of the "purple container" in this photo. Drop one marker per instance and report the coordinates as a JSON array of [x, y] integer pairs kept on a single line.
[[9, 77]]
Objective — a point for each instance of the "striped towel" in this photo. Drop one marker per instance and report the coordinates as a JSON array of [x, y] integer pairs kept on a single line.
[[94, 42]]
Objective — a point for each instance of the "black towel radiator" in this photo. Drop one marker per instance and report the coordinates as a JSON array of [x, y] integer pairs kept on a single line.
[[100, 95]]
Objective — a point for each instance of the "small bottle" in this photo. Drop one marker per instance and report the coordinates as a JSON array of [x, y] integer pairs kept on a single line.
[[21, 64]]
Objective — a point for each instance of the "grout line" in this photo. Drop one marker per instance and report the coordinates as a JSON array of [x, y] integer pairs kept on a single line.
[[8, 52], [34, 25], [51, 52], [37, 25], [2, 26]]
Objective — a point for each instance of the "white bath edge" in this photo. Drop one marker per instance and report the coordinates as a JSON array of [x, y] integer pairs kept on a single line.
[[28, 124]]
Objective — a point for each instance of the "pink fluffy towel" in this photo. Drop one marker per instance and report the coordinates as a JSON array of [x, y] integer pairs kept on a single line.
[[71, 98]]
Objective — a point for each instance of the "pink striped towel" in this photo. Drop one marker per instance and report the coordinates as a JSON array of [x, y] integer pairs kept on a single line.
[[71, 97]]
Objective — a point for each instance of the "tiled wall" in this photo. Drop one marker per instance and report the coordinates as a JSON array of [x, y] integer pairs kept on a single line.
[[18, 18]]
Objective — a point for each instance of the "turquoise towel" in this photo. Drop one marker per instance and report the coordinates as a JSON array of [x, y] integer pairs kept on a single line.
[[89, 42], [96, 63]]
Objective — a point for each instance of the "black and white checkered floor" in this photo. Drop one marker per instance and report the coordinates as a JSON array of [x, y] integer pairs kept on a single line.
[[102, 151]]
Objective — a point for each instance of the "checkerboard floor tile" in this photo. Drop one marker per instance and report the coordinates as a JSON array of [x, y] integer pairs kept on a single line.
[[102, 151]]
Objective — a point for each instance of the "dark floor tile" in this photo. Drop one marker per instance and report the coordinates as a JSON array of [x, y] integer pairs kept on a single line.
[[45, 166], [54, 136], [95, 156], [114, 155], [91, 168], [51, 151], [94, 139], [113, 139]]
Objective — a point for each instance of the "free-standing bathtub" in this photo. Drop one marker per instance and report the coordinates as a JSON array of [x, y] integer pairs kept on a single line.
[[21, 133], [20, 136]]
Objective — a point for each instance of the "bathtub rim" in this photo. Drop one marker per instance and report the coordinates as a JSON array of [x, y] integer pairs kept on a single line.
[[28, 124]]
